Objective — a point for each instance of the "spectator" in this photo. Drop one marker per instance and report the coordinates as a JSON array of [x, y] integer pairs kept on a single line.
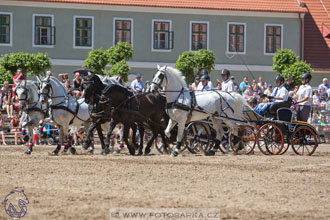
[[138, 85], [227, 85], [2, 126], [76, 81], [203, 85], [262, 85], [316, 98], [68, 87], [244, 85], [218, 85], [9, 104], [18, 78], [3, 92], [62, 77], [289, 85], [324, 84], [249, 93], [232, 78], [236, 88], [148, 85], [15, 124], [269, 90], [322, 126], [323, 95], [194, 85], [255, 87], [120, 79]]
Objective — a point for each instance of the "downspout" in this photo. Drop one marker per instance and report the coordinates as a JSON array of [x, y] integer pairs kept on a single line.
[[301, 36]]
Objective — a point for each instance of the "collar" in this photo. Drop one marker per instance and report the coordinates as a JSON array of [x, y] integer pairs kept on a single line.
[[226, 81]]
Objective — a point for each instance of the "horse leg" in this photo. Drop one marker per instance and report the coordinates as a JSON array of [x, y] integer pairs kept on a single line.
[[154, 136], [162, 134], [58, 147], [141, 131], [217, 124], [169, 127], [108, 139], [104, 150], [30, 141], [181, 125], [87, 140], [126, 133]]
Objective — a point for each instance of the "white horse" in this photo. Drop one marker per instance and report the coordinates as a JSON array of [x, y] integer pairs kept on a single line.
[[184, 106], [66, 111], [34, 113]]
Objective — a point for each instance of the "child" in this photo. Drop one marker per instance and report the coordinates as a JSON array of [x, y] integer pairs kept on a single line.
[[2, 126]]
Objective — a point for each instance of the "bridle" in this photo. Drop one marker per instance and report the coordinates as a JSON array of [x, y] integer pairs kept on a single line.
[[161, 76]]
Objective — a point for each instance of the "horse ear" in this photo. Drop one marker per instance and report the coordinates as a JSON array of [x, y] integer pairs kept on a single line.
[[165, 67], [158, 67], [38, 79]]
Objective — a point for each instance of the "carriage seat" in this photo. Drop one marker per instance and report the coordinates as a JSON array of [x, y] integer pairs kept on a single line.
[[272, 110]]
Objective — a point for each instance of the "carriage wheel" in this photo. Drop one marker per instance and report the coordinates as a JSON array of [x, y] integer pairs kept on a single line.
[[287, 146], [304, 141], [159, 145], [270, 139], [197, 138], [245, 142]]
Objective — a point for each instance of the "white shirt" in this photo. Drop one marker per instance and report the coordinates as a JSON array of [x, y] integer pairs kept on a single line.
[[227, 86], [281, 92], [303, 92], [200, 87]]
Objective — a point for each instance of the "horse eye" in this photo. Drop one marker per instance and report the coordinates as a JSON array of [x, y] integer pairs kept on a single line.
[[161, 76]]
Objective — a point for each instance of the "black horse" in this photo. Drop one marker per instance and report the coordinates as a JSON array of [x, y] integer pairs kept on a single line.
[[122, 106]]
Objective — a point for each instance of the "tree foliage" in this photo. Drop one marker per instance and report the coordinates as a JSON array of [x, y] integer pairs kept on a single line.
[[122, 51], [283, 59], [97, 61], [31, 64], [191, 63], [5, 75], [121, 68], [296, 70]]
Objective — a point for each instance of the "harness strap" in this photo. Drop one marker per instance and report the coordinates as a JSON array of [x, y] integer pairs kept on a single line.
[[62, 107]]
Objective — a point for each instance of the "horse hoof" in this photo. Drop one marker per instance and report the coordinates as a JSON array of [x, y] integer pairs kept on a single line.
[[85, 146], [210, 153], [175, 153], [53, 153], [28, 152], [90, 152], [147, 151], [140, 153], [73, 150]]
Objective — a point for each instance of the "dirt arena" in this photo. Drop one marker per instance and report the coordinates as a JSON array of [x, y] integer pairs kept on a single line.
[[242, 187]]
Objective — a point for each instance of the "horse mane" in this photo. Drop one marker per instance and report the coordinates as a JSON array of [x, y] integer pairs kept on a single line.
[[178, 75]]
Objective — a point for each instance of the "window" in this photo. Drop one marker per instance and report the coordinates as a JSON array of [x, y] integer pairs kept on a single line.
[[199, 35], [5, 28], [162, 35], [44, 31], [123, 30], [273, 38], [84, 31], [236, 38]]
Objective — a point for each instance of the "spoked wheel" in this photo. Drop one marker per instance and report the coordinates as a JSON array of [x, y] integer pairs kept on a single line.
[[197, 138], [270, 139], [245, 142], [159, 145], [286, 146], [304, 141]]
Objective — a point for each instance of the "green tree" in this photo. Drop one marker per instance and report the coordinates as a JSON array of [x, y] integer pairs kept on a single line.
[[31, 64], [296, 70], [283, 59], [121, 68], [191, 63], [97, 60], [122, 51], [5, 75]]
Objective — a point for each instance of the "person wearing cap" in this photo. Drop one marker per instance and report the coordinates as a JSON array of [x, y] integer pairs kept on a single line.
[[203, 85], [138, 85], [227, 85], [324, 85], [194, 85], [148, 86], [206, 72], [277, 100], [304, 100]]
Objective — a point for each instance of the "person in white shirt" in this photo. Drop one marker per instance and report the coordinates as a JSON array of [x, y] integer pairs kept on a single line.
[[227, 85], [195, 84], [203, 85], [304, 99], [206, 72]]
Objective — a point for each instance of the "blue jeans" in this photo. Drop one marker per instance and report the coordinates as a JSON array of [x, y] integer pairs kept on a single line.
[[261, 108]]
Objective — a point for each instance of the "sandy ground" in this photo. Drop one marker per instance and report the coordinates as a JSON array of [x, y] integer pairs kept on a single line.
[[242, 187]]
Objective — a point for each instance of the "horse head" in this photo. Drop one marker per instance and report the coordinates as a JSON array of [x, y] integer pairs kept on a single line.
[[45, 89], [159, 80], [22, 94], [92, 88]]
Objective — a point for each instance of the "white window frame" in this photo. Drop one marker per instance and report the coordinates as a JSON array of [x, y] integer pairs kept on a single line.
[[265, 35], [11, 29], [236, 23], [153, 36], [33, 29], [207, 32], [114, 29], [74, 32]]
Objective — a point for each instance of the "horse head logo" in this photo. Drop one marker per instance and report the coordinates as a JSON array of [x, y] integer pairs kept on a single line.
[[15, 204]]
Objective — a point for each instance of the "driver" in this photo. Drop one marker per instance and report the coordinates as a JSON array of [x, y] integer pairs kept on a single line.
[[277, 100]]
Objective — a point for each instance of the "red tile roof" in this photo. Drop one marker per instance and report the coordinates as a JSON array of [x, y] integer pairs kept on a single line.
[[316, 47], [235, 5]]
